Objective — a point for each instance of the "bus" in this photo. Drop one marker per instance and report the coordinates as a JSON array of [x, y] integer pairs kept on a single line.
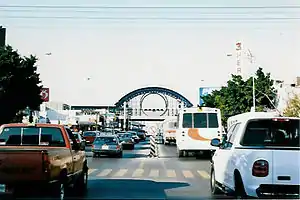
[[195, 128]]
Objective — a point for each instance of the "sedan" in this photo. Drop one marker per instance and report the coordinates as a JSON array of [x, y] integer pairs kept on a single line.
[[107, 145], [126, 140]]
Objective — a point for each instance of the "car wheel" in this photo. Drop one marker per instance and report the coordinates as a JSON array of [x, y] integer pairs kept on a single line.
[[120, 155], [213, 184], [239, 190], [81, 185], [180, 153]]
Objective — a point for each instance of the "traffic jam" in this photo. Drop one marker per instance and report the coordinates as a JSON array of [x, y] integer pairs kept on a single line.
[[257, 156]]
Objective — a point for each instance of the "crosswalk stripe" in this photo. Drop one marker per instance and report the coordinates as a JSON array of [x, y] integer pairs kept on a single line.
[[171, 173], [121, 172], [91, 171], [105, 172], [154, 173], [203, 174], [138, 173], [187, 174]]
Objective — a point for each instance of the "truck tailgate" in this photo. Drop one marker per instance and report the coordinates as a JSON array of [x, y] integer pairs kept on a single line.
[[21, 165]]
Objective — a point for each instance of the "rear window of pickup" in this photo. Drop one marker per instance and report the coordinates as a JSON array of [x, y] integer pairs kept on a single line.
[[32, 136], [272, 132]]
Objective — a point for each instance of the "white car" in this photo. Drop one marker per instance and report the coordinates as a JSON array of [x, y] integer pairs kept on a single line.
[[260, 157]]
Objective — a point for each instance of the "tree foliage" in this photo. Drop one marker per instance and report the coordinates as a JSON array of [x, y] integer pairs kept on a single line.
[[236, 97], [293, 107], [20, 85]]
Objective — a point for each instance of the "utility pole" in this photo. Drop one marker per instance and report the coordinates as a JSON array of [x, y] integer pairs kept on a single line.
[[251, 59], [2, 36]]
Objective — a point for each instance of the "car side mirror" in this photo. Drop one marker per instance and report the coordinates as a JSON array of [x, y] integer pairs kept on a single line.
[[215, 142]]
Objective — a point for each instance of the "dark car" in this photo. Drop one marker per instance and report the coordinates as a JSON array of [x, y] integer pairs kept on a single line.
[[79, 140], [90, 136], [141, 134], [107, 145], [126, 140], [134, 136]]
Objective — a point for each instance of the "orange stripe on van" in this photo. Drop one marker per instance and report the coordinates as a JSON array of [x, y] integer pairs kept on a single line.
[[194, 134], [171, 131]]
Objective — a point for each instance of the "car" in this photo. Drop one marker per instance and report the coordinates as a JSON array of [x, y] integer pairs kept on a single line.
[[107, 145], [90, 136], [258, 158], [134, 136], [126, 140], [79, 140]]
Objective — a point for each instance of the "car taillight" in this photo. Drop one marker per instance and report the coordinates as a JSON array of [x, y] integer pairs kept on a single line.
[[77, 141], [45, 161], [93, 146], [260, 168], [118, 146]]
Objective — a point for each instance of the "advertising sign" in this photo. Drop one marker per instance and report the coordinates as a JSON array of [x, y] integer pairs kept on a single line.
[[45, 94], [203, 91]]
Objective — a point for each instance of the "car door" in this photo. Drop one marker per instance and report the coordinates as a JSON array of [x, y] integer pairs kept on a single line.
[[229, 155], [77, 154], [220, 158]]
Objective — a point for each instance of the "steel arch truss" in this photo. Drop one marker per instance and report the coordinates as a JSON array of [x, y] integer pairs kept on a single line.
[[153, 90]]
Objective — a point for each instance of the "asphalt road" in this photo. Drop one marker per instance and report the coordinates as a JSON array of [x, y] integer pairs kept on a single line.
[[136, 176]]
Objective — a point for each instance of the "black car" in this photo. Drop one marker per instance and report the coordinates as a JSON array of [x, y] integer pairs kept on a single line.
[[141, 134]]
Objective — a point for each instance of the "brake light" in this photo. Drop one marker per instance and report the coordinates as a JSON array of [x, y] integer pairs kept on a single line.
[[77, 141], [45, 162], [280, 120], [260, 168], [118, 146], [93, 146]]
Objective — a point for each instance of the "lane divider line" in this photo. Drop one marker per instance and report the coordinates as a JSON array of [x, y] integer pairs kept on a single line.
[[171, 173], [105, 172], [154, 173], [187, 174], [121, 172], [203, 174], [91, 171], [138, 173]]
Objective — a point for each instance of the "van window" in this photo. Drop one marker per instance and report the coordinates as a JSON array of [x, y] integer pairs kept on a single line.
[[200, 120], [272, 133], [187, 120], [32, 136], [213, 120]]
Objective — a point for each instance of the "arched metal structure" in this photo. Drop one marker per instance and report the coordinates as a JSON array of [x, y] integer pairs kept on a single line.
[[153, 90]]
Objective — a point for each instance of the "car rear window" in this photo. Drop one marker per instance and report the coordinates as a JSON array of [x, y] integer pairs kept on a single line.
[[106, 140], [124, 135], [272, 132], [93, 134], [32, 136]]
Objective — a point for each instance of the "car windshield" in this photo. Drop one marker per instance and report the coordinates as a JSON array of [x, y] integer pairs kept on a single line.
[[270, 132], [105, 140], [89, 134], [31, 136]]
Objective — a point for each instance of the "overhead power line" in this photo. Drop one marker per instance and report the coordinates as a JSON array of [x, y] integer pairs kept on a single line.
[[147, 7], [157, 18]]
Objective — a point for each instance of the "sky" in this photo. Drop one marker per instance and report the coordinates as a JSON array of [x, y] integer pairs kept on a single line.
[[121, 56]]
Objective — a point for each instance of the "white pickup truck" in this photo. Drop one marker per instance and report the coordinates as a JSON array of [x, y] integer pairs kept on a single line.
[[259, 157]]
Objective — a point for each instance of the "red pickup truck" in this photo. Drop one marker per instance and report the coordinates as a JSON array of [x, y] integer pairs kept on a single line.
[[42, 157]]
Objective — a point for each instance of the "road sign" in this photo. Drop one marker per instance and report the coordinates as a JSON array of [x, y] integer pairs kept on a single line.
[[45, 94], [152, 130]]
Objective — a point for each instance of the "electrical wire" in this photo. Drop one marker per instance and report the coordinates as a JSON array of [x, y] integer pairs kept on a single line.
[[156, 18], [149, 7]]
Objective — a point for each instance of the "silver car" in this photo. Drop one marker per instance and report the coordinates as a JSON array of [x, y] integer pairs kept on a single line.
[[107, 145]]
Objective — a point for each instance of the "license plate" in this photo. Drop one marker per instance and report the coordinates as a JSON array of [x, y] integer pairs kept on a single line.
[[2, 188], [105, 147]]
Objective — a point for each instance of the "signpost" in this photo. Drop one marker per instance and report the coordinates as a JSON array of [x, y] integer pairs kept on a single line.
[[45, 94]]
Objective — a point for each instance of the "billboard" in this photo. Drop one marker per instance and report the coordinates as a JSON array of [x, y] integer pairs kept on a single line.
[[45, 94], [203, 91]]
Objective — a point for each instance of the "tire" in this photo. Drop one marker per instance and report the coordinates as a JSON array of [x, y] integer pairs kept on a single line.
[[239, 191], [132, 147], [59, 191], [120, 155], [180, 153], [213, 183], [81, 185]]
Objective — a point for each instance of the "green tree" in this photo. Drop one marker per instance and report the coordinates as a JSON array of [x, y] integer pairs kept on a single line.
[[237, 97], [20, 85], [293, 107]]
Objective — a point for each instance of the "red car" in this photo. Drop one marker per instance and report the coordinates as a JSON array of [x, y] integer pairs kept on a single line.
[[90, 136]]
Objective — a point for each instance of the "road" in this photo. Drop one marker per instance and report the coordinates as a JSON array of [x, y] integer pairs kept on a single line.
[[135, 176]]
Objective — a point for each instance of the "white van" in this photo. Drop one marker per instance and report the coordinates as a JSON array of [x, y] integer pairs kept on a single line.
[[169, 130], [195, 129], [259, 158]]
